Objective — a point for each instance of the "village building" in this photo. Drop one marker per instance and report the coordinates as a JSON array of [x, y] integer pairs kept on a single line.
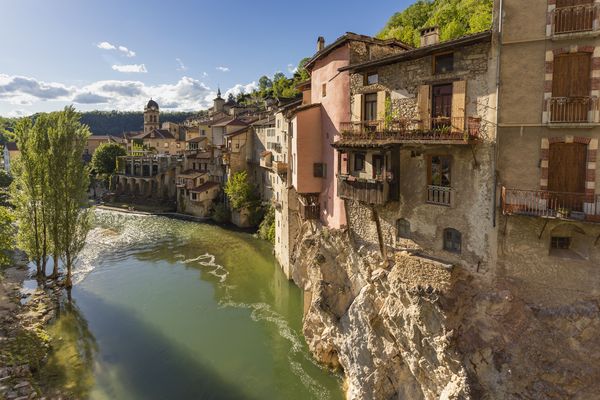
[[415, 159], [94, 141], [259, 167], [548, 134], [196, 193], [10, 153]]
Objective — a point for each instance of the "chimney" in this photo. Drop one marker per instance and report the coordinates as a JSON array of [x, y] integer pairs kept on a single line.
[[430, 36], [320, 43]]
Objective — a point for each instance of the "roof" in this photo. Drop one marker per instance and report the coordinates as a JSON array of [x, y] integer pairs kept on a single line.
[[265, 153], [158, 134], [105, 137], [152, 104], [197, 140], [237, 131], [463, 41], [191, 174], [351, 36], [204, 187], [270, 120], [234, 121]]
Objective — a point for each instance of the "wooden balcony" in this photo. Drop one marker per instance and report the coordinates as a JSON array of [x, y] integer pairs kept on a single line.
[[573, 110], [575, 19], [434, 130], [374, 192], [309, 208], [280, 167], [439, 195], [546, 204], [266, 162]]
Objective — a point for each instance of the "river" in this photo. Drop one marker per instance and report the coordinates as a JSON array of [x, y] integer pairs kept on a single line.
[[167, 309]]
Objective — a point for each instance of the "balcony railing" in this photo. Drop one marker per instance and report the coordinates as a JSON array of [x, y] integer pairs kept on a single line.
[[310, 211], [434, 129], [440, 195], [280, 167], [365, 191], [573, 19], [573, 110], [546, 204]]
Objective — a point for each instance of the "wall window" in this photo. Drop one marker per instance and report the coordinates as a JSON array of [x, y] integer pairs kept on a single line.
[[370, 111], [402, 229], [194, 196], [443, 63], [452, 240], [359, 161], [371, 78], [377, 166], [324, 90], [439, 171], [320, 170], [560, 243]]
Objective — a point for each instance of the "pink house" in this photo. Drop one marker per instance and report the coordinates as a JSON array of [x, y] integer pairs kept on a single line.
[[326, 103]]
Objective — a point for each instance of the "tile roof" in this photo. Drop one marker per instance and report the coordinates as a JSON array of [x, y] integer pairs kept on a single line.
[[155, 134], [204, 187]]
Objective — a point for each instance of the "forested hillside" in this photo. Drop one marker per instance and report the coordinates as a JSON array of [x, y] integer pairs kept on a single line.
[[455, 18]]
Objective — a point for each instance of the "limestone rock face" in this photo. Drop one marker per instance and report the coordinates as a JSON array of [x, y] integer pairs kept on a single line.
[[410, 328]]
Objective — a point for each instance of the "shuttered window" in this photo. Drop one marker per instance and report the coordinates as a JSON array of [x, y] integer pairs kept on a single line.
[[571, 76], [370, 107]]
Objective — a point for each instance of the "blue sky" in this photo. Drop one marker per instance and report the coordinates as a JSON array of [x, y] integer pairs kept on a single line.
[[113, 54]]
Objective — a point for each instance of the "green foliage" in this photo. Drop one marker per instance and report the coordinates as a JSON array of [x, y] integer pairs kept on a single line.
[[454, 17], [104, 160], [266, 230], [5, 181], [7, 234], [239, 190], [221, 214]]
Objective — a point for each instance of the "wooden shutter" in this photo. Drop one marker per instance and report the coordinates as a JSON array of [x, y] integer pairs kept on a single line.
[[567, 167], [424, 106], [459, 105], [381, 97], [571, 75], [357, 106]]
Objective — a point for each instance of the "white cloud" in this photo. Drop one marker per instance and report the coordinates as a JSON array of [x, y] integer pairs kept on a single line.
[[204, 75], [292, 68], [239, 88], [186, 94], [181, 66], [223, 69], [110, 46], [133, 68]]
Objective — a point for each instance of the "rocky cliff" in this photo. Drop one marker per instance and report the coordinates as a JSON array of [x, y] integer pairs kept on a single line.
[[412, 328]]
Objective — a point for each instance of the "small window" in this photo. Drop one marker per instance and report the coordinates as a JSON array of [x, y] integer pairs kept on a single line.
[[371, 78], [439, 171], [324, 90], [443, 63], [452, 240], [359, 162], [560, 243], [402, 229], [194, 197], [320, 170], [370, 111], [166, 144], [377, 166]]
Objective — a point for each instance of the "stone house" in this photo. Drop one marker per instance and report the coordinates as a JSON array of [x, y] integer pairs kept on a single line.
[[415, 159], [94, 141], [10, 152], [259, 167], [548, 133], [196, 193], [148, 179]]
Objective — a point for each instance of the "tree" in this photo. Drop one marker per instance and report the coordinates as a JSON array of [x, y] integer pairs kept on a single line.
[[230, 97], [239, 190], [7, 234], [104, 160], [5, 181]]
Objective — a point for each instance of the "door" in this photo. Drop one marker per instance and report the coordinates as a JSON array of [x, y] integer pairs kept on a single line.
[[571, 85], [566, 175], [441, 107]]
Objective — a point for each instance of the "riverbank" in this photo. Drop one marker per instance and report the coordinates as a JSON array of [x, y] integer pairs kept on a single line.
[[25, 312]]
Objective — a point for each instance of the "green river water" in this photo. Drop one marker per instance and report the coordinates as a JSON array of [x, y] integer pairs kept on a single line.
[[166, 309]]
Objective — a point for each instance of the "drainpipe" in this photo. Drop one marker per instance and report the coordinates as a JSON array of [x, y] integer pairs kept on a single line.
[[498, 78]]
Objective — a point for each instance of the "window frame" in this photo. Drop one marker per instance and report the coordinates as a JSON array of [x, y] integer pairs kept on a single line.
[[363, 158], [450, 244], [430, 165], [435, 62], [368, 100], [367, 75], [402, 233]]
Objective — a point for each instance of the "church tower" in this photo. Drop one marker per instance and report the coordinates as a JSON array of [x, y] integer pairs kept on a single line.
[[151, 113], [218, 103]]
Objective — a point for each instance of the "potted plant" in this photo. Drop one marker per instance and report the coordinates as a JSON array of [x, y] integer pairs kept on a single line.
[[562, 212]]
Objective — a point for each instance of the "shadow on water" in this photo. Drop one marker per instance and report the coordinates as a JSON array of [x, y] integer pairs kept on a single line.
[[141, 363]]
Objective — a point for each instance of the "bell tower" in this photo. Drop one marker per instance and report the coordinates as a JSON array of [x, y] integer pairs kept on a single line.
[[151, 114]]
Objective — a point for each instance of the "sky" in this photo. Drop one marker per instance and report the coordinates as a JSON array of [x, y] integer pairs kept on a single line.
[[116, 54]]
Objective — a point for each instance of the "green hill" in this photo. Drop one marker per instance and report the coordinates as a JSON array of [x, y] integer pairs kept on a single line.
[[454, 17]]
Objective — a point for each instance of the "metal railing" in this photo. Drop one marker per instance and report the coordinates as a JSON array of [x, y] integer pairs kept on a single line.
[[572, 19], [543, 203], [439, 195], [433, 129], [365, 191], [573, 109]]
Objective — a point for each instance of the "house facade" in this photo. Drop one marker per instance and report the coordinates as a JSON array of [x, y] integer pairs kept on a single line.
[[548, 133]]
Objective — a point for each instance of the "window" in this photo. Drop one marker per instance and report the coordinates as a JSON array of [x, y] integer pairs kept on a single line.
[[452, 240], [194, 196], [320, 170], [370, 107], [359, 162], [377, 166], [439, 171], [402, 228], [166, 144], [324, 90], [560, 243], [371, 78], [443, 63]]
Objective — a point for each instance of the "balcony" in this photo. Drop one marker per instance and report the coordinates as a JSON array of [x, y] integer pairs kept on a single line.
[[575, 19], [434, 130], [309, 208], [573, 110], [546, 204], [280, 167], [374, 192], [439, 195]]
